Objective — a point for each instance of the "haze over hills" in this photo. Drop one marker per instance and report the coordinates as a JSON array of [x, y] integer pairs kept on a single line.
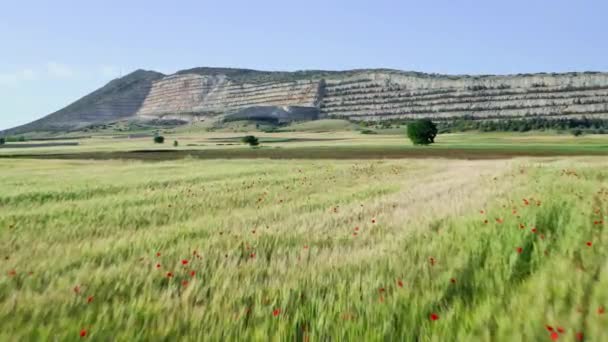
[[367, 94]]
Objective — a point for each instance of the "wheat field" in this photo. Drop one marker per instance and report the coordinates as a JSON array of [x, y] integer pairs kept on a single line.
[[304, 250]]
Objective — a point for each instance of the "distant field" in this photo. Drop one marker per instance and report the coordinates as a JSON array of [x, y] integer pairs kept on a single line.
[[306, 250], [307, 145]]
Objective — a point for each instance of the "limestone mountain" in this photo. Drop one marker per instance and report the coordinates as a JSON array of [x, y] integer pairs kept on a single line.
[[367, 94]]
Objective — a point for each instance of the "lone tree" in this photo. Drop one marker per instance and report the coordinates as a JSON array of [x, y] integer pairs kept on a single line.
[[2, 140], [422, 132], [251, 140], [159, 139]]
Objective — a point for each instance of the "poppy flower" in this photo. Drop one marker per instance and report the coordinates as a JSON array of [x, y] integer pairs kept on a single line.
[[482, 212], [192, 273], [561, 330], [579, 336], [550, 328], [83, 333], [554, 336], [356, 229], [184, 283], [12, 273], [434, 317], [169, 274], [276, 312], [519, 250], [399, 283], [157, 265], [157, 254], [252, 255], [453, 280], [373, 220], [533, 230], [184, 262], [600, 310], [589, 243], [89, 299]]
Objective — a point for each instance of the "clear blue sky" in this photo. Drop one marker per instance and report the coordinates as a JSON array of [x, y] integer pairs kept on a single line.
[[54, 52]]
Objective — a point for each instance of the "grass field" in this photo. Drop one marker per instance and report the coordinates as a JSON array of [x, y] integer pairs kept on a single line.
[[305, 250]]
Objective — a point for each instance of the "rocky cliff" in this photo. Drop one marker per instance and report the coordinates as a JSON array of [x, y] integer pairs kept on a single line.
[[200, 93]]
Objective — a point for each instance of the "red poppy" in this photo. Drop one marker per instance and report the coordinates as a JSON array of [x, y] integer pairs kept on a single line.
[[453, 280], [399, 283], [252, 255], [184, 262], [434, 317], [550, 328], [534, 230], [12, 273], [169, 274], [481, 212], [589, 243], [373, 220], [579, 336], [184, 283], [519, 250], [561, 330], [600, 310], [381, 289], [90, 299], [356, 229], [192, 273], [554, 336], [157, 265], [276, 312], [157, 254], [83, 333]]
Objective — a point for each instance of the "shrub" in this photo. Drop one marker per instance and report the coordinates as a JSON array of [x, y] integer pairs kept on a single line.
[[577, 132], [2, 140], [368, 131], [159, 139], [422, 132], [175, 143], [251, 140]]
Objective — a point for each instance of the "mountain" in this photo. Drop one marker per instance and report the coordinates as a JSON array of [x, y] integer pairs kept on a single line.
[[366, 94]]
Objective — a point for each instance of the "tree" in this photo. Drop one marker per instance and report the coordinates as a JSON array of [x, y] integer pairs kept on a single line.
[[251, 140], [175, 143], [159, 139], [2, 140], [422, 132]]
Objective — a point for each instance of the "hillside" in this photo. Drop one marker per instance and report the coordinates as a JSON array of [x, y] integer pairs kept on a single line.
[[367, 94]]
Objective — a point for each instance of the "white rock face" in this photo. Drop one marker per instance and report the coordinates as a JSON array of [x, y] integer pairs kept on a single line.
[[383, 94]]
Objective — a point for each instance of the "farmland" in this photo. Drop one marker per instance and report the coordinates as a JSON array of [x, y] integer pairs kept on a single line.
[[303, 249]]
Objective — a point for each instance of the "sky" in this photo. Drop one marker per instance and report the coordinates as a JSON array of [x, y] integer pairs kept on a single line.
[[54, 52]]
